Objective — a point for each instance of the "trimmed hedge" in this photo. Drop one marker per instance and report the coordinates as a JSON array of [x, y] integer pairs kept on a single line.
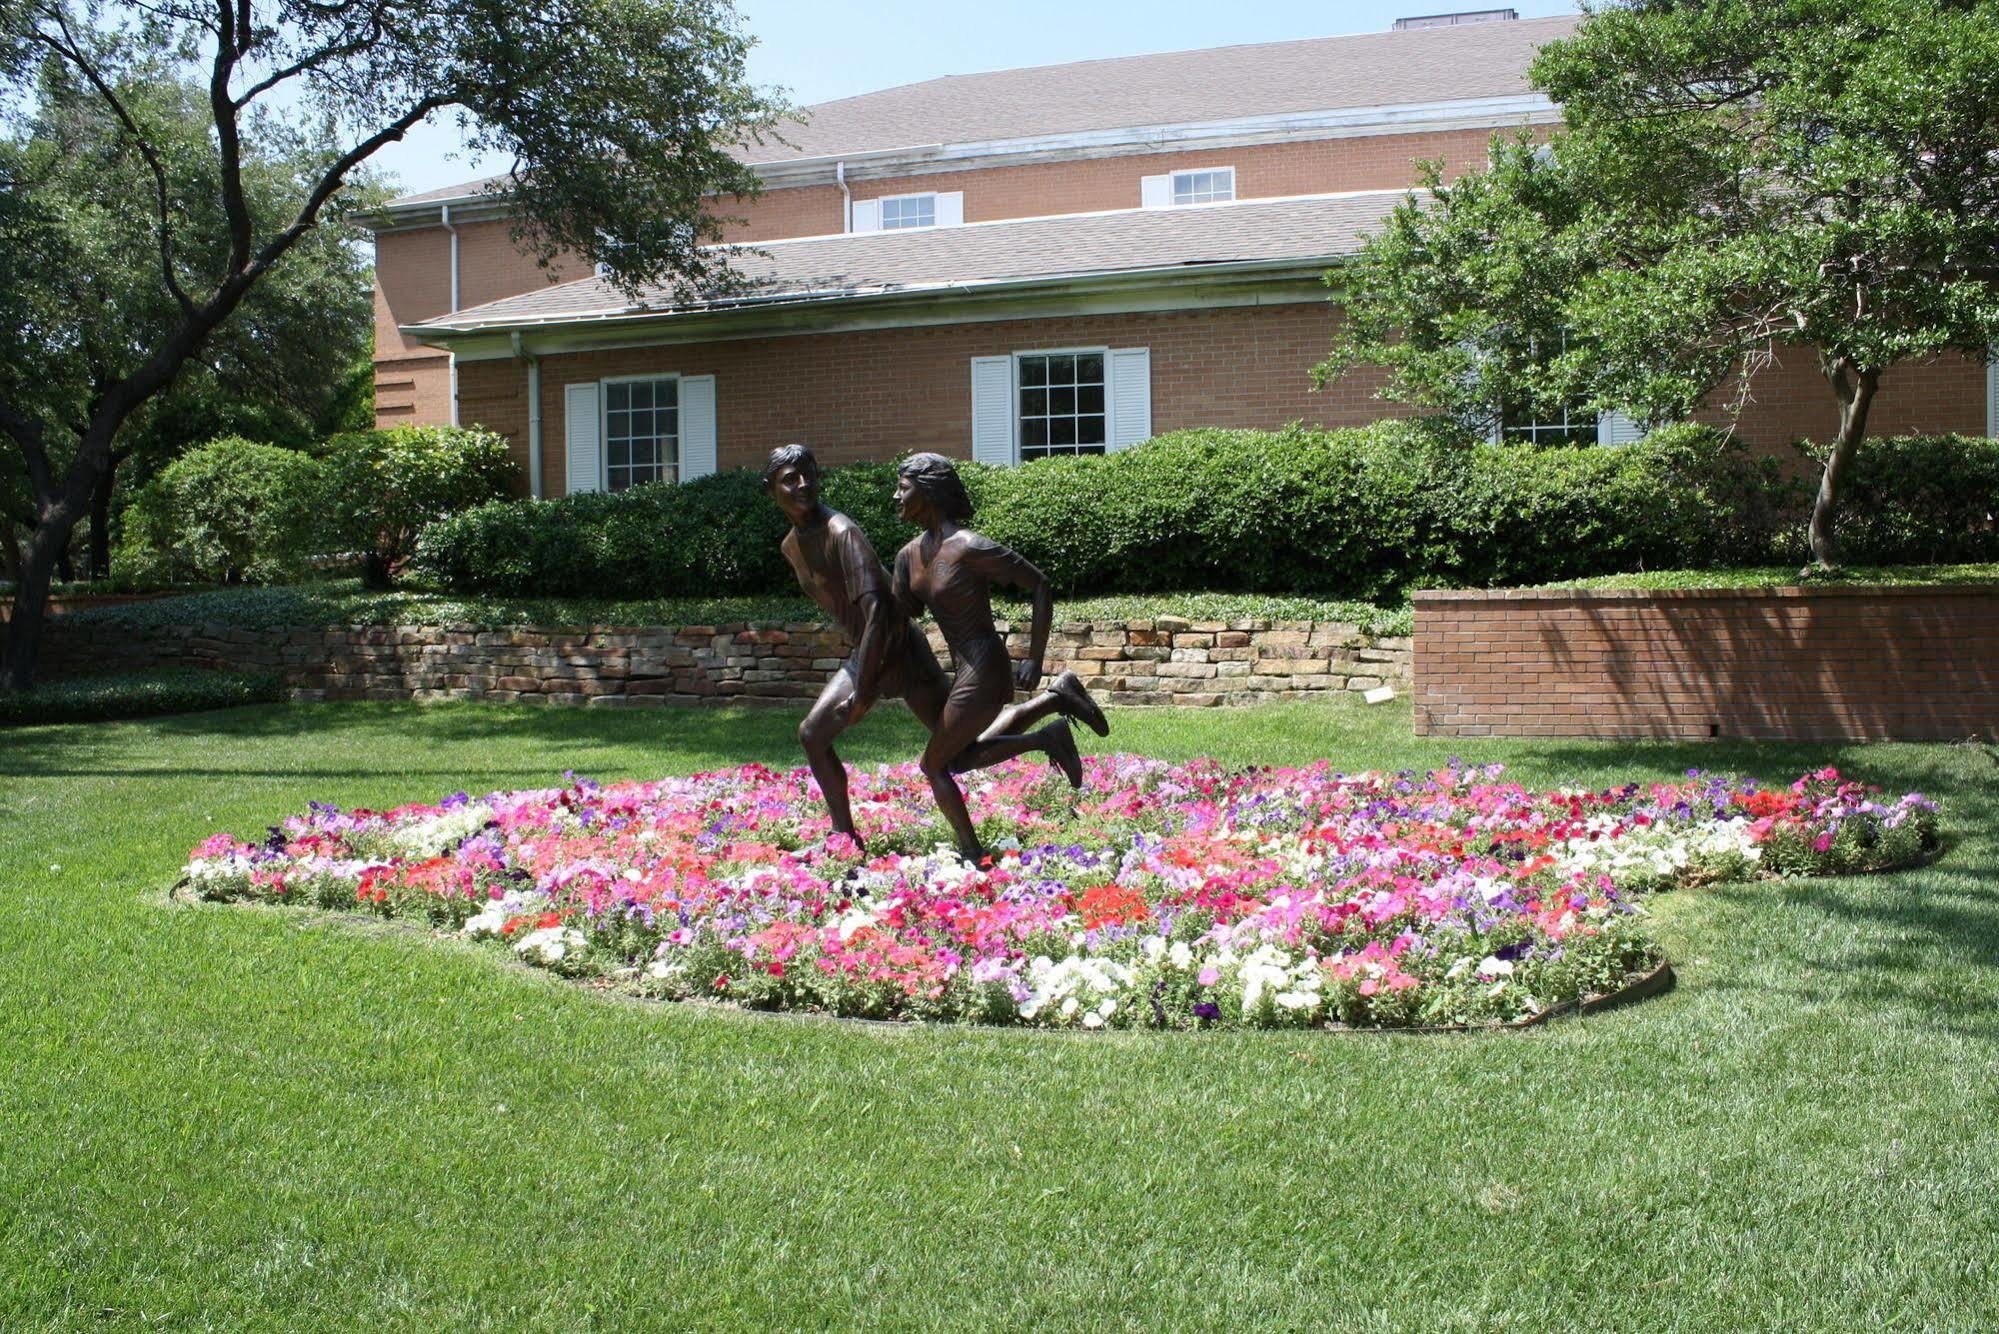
[[382, 487], [86, 699], [1368, 512], [1920, 499], [232, 511]]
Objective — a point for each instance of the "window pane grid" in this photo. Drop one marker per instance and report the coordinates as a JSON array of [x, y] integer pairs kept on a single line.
[[1561, 428], [1062, 404], [914, 211], [641, 432], [1204, 187]]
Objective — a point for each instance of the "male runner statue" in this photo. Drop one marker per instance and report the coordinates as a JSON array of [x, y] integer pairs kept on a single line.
[[889, 656]]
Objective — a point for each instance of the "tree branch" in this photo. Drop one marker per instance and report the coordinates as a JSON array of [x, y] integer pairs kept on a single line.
[[228, 138], [375, 32], [27, 433], [70, 50]]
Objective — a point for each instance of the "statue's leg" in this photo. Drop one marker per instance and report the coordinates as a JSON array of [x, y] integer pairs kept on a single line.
[[967, 711], [1066, 695], [837, 708]]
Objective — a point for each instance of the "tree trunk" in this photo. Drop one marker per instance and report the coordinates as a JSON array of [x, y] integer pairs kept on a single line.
[[100, 522], [1856, 395], [45, 548]]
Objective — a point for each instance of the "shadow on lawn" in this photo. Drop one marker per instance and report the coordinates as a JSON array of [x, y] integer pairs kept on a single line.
[[573, 738]]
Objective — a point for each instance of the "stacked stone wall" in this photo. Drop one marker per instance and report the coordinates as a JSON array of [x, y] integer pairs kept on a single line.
[[1163, 661]]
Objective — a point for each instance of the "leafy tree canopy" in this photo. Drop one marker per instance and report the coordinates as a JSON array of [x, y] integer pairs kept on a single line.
[[1733, 176], [622, 118]]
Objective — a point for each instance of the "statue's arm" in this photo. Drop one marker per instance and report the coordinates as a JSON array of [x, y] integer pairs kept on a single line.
[[1004, 565], [872, 651]]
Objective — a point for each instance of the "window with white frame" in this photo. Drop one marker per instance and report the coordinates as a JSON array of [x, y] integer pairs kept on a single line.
[[1212, 186], [1061, 403], [1520, 422], [909, 211], [641, 432]]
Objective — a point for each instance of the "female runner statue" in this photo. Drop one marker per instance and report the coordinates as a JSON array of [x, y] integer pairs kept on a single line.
[[951, 570]]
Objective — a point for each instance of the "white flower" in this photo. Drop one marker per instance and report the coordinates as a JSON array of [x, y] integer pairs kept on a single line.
[[1069, 1007], [1093, 1020], [487, 923], [1180, 956], [1494, 966]]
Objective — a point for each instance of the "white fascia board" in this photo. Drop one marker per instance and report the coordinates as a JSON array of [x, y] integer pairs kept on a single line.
[[1178, 287]]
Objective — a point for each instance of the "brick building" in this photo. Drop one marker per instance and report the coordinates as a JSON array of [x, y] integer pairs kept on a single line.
[[1006, 266]]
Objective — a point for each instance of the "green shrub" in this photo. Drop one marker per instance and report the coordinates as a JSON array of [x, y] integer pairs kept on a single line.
[[86, 699], [384, 486], [232, 511], [1929, 499], [1368, 512]]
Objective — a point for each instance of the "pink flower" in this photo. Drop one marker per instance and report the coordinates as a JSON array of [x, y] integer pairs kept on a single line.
[[1209, 976]]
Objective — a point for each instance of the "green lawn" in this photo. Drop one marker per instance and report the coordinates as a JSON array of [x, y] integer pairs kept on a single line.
[[233, 1117]]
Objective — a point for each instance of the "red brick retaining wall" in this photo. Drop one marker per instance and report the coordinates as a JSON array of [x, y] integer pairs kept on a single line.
[[1803, 663], [1164, 661]]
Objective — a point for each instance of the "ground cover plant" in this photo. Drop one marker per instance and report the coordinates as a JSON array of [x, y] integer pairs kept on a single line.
[[230, 1117], [137, 695], [1161, 896]]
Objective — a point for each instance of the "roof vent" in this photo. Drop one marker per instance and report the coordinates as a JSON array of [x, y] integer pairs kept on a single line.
[[1453, 20]]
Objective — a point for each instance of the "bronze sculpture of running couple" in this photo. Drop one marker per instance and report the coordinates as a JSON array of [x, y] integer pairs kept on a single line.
[[950, 570]]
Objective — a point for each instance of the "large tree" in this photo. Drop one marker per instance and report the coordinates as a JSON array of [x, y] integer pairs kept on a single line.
[[620, 117], [273, 371], [1732, 177]]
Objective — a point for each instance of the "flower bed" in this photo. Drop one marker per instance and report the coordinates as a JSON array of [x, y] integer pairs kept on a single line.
[[1160, 896]]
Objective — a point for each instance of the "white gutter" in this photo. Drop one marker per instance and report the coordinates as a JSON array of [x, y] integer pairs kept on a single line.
[[1195, 270], [534, 414], [846, 197], [445, 218]]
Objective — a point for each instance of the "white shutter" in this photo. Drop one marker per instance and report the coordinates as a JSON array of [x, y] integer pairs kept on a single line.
[[697, 426], [582, 457], [951, 208], [1992, 391], [1130, 371], [1155, 191], [867, 216], [1614, 428], [992, 410]]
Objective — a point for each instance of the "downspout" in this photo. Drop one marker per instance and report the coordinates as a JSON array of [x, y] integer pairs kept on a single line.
[[534, 416], [846, 196], [444, 216]]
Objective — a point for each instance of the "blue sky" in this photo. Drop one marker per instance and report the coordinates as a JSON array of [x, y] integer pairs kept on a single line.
[[822, 49]]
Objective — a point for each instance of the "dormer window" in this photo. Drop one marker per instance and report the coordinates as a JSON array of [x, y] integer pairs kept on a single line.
[[909, 211], [896, 213], [1181, 189]]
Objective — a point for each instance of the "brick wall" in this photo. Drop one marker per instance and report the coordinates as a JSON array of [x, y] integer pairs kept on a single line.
[[1807, 664], [1164, 661], [1791, 400], [413, 283], [1088, 185], [413, 275], [873, 394]]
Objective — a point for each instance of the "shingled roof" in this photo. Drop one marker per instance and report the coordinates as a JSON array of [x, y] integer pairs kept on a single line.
[[1219, 84], [1305, 229]]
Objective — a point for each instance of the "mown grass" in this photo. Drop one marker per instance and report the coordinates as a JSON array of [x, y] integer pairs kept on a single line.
[[231, 1117]]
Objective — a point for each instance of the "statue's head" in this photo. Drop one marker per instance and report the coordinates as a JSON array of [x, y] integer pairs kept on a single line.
[[934, 478], [790, 456], [791, 478]]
